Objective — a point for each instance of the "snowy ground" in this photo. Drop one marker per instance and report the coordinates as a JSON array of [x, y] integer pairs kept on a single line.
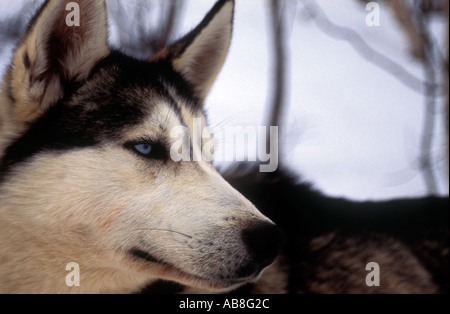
[[351, 129]]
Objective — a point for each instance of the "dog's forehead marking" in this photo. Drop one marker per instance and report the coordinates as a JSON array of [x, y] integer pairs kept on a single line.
[[159, 121], [187, 112], [164, 117]]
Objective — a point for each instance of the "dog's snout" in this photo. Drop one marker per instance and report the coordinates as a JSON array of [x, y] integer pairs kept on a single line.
[[264, 241]]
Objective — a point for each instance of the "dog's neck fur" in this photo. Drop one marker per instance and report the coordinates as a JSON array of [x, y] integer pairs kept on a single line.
[[36, 262]]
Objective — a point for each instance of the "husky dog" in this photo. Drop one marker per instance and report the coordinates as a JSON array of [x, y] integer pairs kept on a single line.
[[86, 172], [92, 202]]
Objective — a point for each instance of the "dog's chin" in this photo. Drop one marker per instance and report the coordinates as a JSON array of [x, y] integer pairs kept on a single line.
[[170, 272]]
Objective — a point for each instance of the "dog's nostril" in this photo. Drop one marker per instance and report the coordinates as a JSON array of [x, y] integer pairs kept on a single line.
[[264, 241]]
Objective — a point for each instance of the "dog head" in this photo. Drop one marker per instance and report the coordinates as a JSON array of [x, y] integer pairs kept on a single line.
[[87, 143]]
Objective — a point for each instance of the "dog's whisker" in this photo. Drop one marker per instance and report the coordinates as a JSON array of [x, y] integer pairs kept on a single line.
[[166, 230], [180, 233]]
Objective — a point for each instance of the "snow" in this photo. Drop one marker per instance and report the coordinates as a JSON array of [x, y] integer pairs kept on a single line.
[[351, 129]]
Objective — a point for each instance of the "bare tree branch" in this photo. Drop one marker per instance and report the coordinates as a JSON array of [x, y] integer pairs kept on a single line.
[[416, 24], [279, 91], [434, 66], [169, 24], [405, 18], [364, 50], [277, 104], [426, 163], [153, 24], [446, 80]]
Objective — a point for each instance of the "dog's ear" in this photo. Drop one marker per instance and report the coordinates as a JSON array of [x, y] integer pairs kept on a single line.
[[200, 55], [61, 46]]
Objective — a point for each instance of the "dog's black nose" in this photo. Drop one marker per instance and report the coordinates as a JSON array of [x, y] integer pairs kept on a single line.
[[264, 242]]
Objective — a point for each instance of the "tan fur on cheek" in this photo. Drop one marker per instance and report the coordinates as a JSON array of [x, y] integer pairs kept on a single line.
[[107, 222]]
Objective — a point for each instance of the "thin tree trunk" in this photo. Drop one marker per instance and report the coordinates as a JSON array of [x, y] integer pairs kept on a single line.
[[446, 84], [277, 104], [279, 67], [431, 66], [169, 23]]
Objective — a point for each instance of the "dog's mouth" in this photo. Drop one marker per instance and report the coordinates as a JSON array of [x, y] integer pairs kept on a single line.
[[173, 273], [146, 256]]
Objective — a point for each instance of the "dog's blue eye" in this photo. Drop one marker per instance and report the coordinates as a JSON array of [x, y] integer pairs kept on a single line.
[[148, 149], [144, 149]]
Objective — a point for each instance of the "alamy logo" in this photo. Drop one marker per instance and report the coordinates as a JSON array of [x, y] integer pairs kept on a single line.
[[73, 18], [373, 278], [250, 139], [73, 277], [373, 18]]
